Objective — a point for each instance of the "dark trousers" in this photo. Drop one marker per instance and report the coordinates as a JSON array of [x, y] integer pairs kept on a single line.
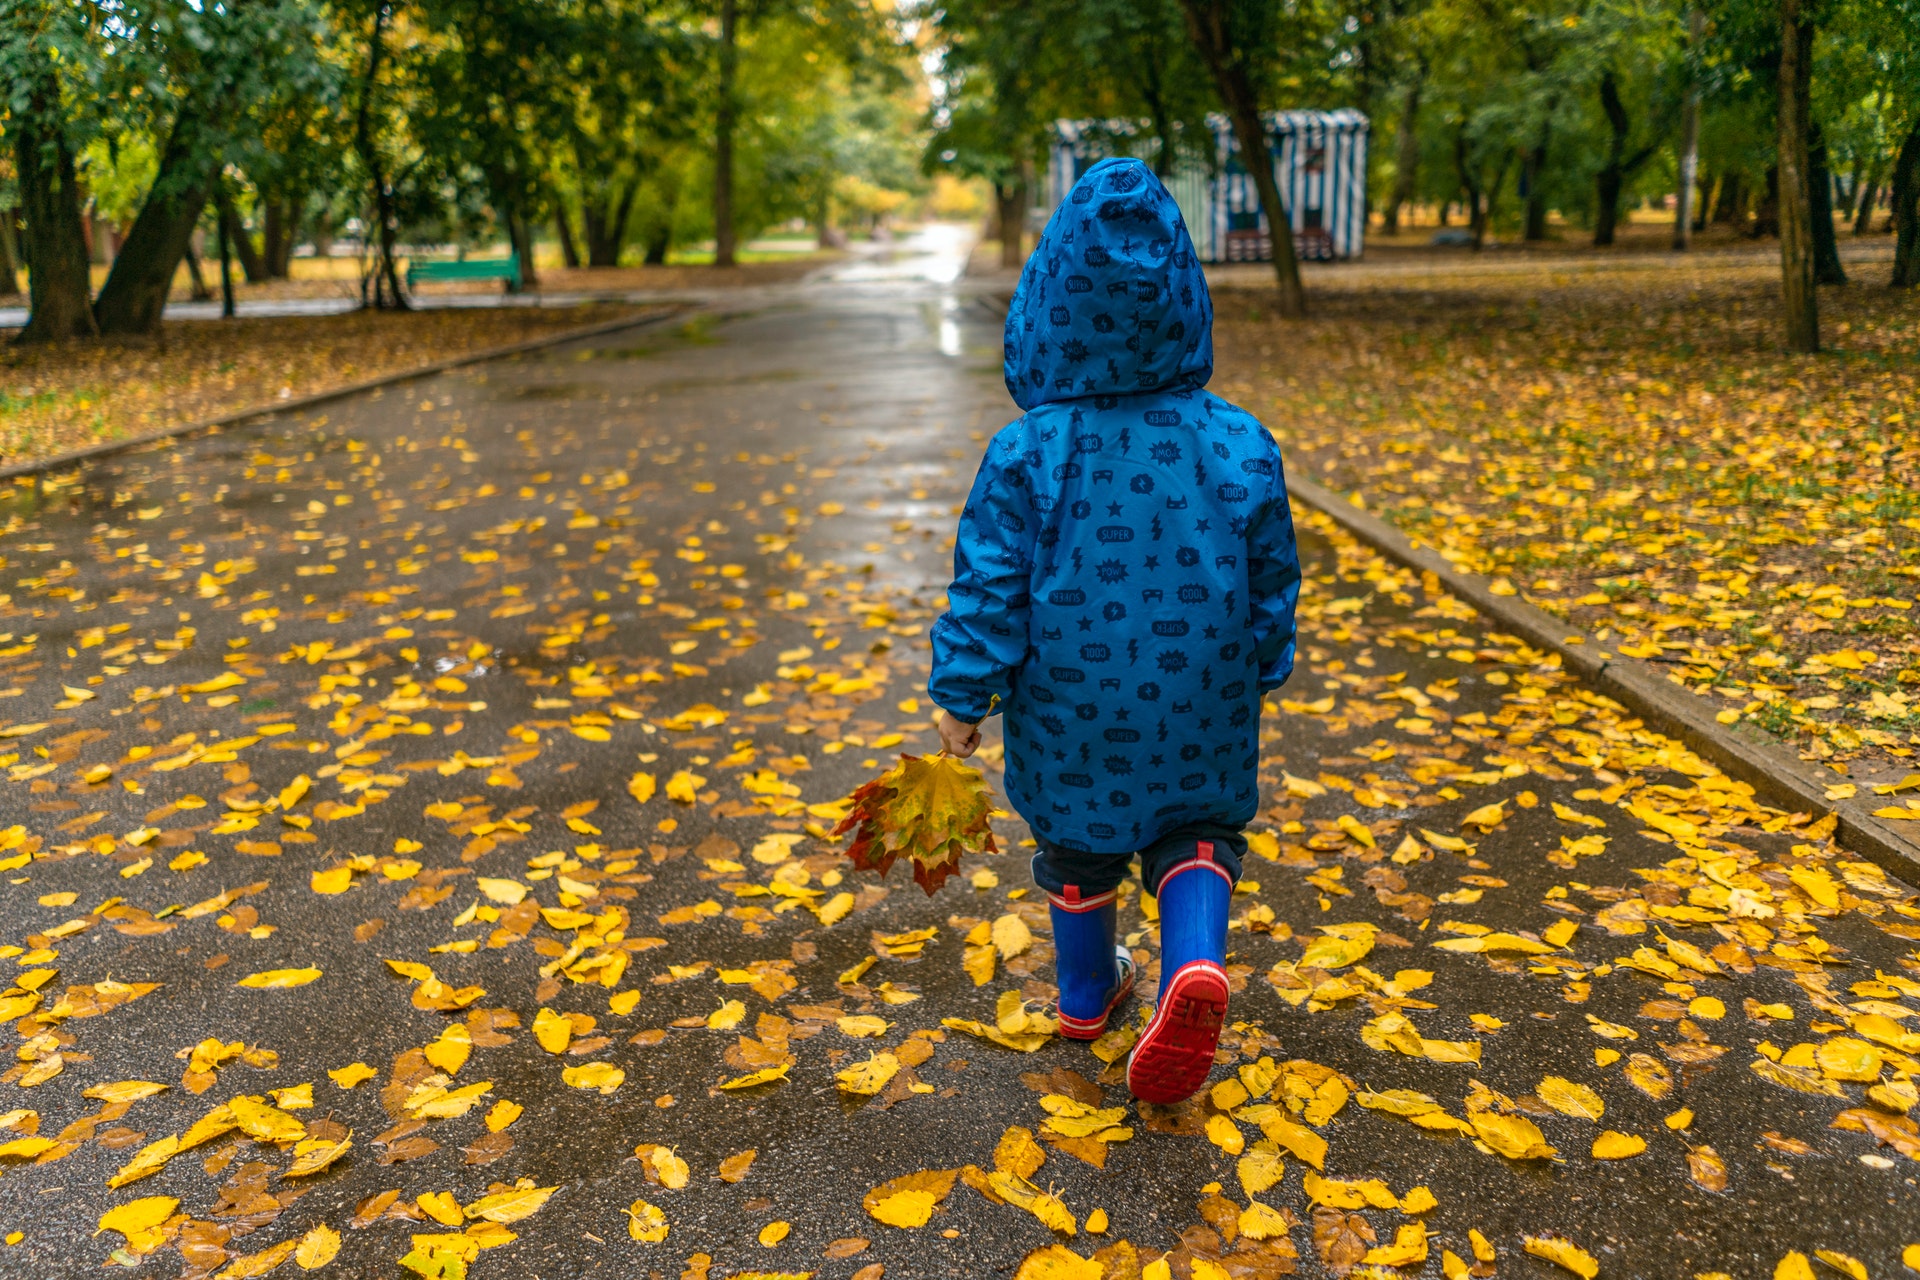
[[1055, 868]]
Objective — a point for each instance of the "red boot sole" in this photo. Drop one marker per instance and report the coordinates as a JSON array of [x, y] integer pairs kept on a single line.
[[1174, 1055]]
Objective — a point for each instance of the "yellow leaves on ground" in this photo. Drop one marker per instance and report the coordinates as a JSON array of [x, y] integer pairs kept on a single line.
[[1496, 941], [311, 1155], [1070, 1118], [149, 1159], [664, 1165], [1057, 1262], [909, 1201], [251, 1265], [684, 787], [868, 1078], [316, 1248], [1614, 1145], [279, 979], [510, 1206], [773, 1233], [1044, 1205], [1487, 816], [753, 1079], [264, 1123], [1018, 1153], [1564, 1253], [333, 880], [123, 1091], [1338, 945], [646, 1223], [603, 1076], [1409, 1248], [352, 1074], [139, 1221], [1290, 1136], [553, 1031], [1011, 937], [1513, 1136], [1570, 1099], [734, 1167], [1223, 1133], [508, 893], [1260, 1221]]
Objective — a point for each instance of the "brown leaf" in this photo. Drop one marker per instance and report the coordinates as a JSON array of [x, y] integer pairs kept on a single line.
[[409, 1149], [487, 1148], [1340, 1238], [735, 1167], [847, 1246], [1707, 1169]]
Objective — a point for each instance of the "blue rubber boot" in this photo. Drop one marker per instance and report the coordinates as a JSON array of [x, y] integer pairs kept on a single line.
[[1094, 971], [1174, 1055]]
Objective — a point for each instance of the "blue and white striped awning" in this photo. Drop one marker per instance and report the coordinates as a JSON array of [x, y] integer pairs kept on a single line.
[[1319, 162]]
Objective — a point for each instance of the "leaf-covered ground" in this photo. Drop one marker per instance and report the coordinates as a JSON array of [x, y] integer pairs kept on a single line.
[[1625, 445], [418, 864], [71, 395]]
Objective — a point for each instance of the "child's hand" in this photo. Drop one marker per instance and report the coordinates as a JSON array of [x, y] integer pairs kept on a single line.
[[960, 739]]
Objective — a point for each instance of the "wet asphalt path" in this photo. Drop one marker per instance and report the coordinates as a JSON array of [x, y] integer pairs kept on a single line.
[[471, 609]]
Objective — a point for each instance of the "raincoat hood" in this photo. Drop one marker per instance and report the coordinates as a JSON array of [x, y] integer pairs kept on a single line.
[[1113, 301]]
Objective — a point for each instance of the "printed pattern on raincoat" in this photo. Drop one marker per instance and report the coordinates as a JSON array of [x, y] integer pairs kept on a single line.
[[1125, 571]]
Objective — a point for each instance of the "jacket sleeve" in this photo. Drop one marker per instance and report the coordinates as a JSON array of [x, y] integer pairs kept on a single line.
[[1273, 586], [981, 639]]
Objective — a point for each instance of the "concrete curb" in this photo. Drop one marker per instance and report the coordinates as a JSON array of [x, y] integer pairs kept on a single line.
[[1777, 775], [61, 461]]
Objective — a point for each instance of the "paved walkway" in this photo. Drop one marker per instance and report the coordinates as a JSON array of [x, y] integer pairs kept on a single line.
[[373, 693]]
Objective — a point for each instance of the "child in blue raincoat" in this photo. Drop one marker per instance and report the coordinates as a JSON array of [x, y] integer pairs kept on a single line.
[[1125, 577]]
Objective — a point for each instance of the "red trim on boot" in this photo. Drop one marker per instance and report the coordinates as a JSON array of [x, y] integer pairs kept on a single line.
[[1070, 899], [1202, 857], [1174, 1055], [1072, 1028]]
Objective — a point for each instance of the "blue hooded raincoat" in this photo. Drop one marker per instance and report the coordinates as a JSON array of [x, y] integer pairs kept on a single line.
[[1125, 571]]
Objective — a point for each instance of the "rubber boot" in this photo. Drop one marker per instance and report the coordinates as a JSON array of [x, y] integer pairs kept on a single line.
[[1095, 972], [1174, 1055]]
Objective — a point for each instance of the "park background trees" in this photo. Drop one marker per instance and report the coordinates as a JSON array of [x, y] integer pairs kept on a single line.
[[617, 130]]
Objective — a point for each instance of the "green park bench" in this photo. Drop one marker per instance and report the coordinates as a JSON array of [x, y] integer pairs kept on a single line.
[[430, 272]]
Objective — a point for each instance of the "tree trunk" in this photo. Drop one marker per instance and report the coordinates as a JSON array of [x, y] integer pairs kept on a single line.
[[1469, 187], [1867, 196], [1612, 176], [1906, 212], [323, 234], [520, 241], [197, 288], [1010, 210], [282, 230], [9, 255], [569, 252], [226, 272], [1406, 166], [1689, 177], [272, 232], [723, 140], [1826, 248], [252, 265], [1208, 21], [135, 294], [384, 280], [1796, 211], [1730, 207], [1766, 211], [58, 281], [1532, 167]]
